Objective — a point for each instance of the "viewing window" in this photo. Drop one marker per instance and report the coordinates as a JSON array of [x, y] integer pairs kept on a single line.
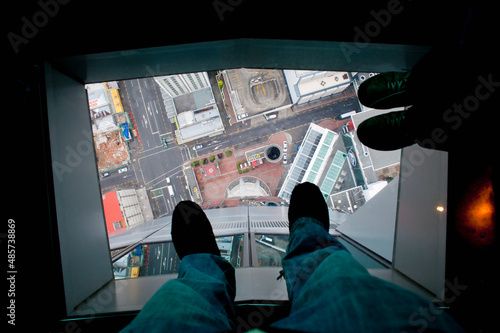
[[161, 140]]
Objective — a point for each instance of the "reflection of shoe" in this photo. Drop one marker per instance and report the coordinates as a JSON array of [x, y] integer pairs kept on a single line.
[[385, 91], [389, 131], [307, 201], [191, 230]]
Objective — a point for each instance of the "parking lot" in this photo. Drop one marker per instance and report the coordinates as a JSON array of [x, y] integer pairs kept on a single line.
[[259, 90]]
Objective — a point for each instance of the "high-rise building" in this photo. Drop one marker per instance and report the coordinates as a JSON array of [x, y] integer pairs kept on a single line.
[[180, 84]]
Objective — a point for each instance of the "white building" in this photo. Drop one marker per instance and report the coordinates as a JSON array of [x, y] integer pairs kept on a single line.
[[100, 107], [190, 103], [180, 84], [172, 86], [194, 126], [305, 86]]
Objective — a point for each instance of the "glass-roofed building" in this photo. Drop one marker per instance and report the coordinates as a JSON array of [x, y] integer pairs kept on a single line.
[[314, 163]]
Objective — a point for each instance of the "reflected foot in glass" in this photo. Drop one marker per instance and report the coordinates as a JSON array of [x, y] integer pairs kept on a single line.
[[307, 201], [390, 131], [386, 91], [191, 230]]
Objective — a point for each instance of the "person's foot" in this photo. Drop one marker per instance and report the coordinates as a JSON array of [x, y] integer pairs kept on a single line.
[[307, 201], [385, 91], [390, 131], [191, 230]]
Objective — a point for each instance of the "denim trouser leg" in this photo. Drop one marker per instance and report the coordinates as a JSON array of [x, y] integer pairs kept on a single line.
[[201, 299], [330, 291]]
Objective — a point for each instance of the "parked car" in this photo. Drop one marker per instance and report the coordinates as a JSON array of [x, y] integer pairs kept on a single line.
[[198, 147], [284, 158], [266, 239], [122, 170], [285, 146]]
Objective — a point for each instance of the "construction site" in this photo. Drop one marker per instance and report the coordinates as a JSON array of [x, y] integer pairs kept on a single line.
[[110, 126], [111, 151]]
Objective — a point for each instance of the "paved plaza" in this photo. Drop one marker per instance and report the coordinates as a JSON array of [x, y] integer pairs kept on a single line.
[[214, 189]]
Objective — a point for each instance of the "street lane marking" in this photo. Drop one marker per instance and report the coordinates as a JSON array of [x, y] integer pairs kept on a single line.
[[164, 180], [162, 175], [144, 102]]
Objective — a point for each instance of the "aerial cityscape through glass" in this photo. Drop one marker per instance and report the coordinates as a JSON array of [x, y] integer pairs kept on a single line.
[[229, 138]]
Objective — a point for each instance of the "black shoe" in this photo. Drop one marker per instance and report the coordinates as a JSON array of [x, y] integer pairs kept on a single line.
[[191, 230], [389, 131], [307, 201], [385, 91]]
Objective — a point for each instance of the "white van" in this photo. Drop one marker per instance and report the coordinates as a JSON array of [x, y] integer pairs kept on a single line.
[[170, 190]]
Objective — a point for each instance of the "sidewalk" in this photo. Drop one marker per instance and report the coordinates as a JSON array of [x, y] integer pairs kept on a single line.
[[221, 104]]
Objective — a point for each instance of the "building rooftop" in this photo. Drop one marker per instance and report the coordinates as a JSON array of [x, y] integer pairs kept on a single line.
[[318, 81], [198, 130], [112, 211], [310, 85], [197, 115], [310, 161], [195, 100], [189, 118]]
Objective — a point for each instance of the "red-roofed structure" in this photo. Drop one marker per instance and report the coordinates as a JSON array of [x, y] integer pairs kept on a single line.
[[351, 126], [112, 212]]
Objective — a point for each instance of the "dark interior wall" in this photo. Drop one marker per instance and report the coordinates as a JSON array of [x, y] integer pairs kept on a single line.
[[63, 27]]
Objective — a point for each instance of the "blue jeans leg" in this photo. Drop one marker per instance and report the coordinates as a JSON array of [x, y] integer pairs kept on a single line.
[[330, 291], [201, 299]]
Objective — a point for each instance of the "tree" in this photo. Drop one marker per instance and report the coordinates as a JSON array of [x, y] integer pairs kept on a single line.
[[212, 158], [228, 153]]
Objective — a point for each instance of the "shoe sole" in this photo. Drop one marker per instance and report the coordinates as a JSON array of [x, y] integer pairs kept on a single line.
[[377, 85]]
